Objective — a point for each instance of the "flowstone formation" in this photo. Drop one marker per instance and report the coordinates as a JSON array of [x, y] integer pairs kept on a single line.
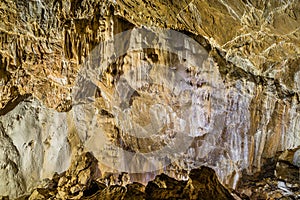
[[150, 88]]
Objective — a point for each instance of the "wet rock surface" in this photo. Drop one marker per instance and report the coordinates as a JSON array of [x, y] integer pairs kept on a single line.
[[235, 102]]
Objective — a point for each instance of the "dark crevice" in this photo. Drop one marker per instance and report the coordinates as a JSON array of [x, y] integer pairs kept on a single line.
[[11, 104], [93, 189]]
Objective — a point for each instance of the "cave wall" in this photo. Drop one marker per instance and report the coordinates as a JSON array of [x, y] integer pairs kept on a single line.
[[241, 109]]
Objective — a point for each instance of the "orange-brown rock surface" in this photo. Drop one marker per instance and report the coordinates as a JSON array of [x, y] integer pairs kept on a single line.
[[149, 87]]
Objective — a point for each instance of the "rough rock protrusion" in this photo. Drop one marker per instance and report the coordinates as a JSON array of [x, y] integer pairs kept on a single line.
[[202, 184], [79, 177], [78, 182], [287, 167]]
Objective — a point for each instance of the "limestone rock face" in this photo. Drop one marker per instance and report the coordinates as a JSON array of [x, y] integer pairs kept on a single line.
[[42, 45], [12, 178], [148, 87], [35, 145], [253, 34]]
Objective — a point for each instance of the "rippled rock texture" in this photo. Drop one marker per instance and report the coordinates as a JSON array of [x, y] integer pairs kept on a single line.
[[149, 87]]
